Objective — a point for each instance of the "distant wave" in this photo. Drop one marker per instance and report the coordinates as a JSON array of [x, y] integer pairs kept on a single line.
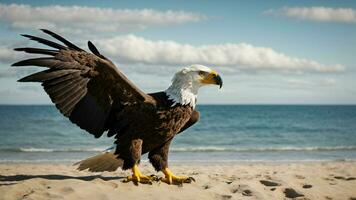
[[217, 149], [191, 149], [34, 150], [187, 161], [31, 149], [39, 161]]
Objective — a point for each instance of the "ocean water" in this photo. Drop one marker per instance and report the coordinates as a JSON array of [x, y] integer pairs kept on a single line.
[[226, 133]]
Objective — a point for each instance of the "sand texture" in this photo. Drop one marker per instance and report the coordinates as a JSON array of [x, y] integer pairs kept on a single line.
[[308, 180]]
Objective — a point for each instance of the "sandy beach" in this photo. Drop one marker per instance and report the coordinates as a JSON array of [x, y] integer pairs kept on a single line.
[[304, 180]]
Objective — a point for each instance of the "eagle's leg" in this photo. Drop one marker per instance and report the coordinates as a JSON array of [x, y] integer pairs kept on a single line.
[[132, 162], [138, 177], [159, 159], [170, 178]]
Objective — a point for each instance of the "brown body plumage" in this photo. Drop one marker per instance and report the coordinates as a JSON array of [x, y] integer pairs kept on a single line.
[[89, 90]]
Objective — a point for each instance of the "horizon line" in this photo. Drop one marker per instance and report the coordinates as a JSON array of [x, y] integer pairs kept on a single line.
[[225, 104]]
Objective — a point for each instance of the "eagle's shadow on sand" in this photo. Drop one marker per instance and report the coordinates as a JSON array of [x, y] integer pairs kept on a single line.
[[23, 177]]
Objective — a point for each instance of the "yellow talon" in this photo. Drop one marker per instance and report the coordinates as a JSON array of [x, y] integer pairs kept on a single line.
[[170, 178], [137, 177]]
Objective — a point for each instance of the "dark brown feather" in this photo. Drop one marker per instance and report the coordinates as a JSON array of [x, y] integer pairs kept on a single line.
[[64, 41], [41, 62], [38, 51], [44, 41], [94, 50], [46, 75], [60, 89], [71, 100], [60, 93], [83, 115], [159, 156], [194, 118], [66, 98], [68, 77]]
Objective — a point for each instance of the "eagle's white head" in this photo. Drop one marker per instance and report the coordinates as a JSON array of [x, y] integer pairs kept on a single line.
[[186, 83]]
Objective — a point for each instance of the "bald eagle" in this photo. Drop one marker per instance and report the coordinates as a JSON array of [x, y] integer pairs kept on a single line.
[[88, 89]]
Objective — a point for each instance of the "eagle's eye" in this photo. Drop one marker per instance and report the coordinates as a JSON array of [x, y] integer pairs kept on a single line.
[[202, 73]]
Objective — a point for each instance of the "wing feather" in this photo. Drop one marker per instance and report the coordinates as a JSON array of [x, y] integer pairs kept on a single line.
[[41, 62], [59, 92], [83, 86], [73, 100], [60, 89], [63, 79], [38, 51], [94, 50], [64, 41], [45, 42], [46, 75], [67, 104]]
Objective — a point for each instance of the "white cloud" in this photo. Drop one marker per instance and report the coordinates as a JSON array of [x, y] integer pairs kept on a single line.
[[139, 55], [297, 83], [7, 73], [136, 50], [325, 82], [80, 19], [7, 54], [320, 14]]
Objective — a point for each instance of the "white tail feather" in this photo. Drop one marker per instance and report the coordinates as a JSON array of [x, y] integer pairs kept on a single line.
[[103, 162]]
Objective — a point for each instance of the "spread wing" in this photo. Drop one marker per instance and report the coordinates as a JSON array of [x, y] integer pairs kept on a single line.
[[84, 86]]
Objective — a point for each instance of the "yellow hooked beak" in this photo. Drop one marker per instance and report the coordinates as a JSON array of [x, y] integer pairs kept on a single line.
[[212, 78]]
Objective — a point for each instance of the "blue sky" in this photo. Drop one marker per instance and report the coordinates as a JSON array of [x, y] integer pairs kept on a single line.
[[268, 52]]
